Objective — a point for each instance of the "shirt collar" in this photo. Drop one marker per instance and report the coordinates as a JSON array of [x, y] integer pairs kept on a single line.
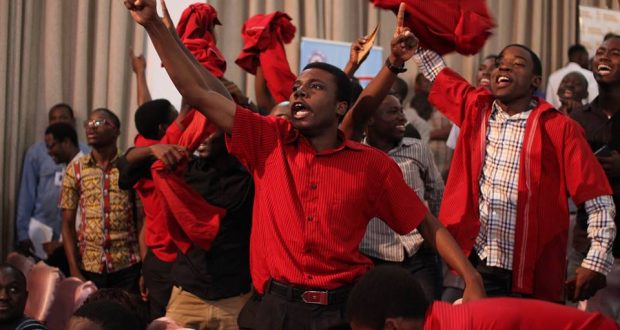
[[293, 136], [90, 160], [498, 112]]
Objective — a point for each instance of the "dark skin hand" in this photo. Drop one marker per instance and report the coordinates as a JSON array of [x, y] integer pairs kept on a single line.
[[585, 284], [611, 164]]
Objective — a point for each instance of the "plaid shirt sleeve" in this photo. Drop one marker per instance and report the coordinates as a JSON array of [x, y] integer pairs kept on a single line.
[[601, 232], [429, 63]]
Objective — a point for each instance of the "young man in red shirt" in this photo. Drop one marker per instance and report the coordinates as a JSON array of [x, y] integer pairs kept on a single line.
[[304, 252]]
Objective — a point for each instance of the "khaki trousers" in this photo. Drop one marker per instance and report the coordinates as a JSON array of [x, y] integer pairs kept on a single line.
[[192, 312]]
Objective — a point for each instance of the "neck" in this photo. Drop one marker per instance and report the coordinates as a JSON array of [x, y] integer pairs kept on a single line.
[[516, 106], [103, 155], [609, 98], [328, 139], [379, 142]]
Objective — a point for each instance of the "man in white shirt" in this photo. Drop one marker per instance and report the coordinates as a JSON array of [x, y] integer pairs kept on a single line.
[[578, 61]]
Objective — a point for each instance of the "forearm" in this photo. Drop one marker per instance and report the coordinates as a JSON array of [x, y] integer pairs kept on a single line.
[[138, 156], [144, 95], [264, 100], [69, 240], [350, 69], [601, 232]]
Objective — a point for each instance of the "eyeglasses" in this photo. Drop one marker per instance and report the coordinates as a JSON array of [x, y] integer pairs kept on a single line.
[[96, 123]]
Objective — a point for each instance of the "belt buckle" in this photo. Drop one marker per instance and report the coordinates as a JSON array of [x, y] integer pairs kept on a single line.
[[315, 297]]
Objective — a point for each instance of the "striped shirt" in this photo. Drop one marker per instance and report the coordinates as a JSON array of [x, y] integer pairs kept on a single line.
[[421, 174], [27, 323], [498, 188]]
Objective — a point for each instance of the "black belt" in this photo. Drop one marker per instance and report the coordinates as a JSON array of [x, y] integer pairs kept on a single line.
[[309, 296]]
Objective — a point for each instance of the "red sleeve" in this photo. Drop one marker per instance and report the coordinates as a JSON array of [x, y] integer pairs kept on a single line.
[[174, 131], [254, 137], [454, 96], [398, 205], [585, 177]]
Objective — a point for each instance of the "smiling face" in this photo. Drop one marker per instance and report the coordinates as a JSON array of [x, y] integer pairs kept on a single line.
[[573, 86], [514, 78], [13, 294], [606, 62], [314, 105], [388, 122], [483, 76]]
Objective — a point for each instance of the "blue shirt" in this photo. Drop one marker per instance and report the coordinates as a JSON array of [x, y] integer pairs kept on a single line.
[[39, 190]]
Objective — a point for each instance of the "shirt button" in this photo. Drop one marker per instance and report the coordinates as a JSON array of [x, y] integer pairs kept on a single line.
[[313, 186], [310, 218]]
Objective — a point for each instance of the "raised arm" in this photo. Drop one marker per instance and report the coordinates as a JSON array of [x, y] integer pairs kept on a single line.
[[403, 46], [264, 100], [200, 89], [138, 65]]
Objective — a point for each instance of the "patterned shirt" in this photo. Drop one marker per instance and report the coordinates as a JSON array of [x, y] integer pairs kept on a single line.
[[107, 235], [498, 187], [421, 174]]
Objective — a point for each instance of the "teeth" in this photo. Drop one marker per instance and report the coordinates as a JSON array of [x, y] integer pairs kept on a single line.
[[484, 81], [400, 127], [298, 106], [603, 67], [503, 79], [301, 114]]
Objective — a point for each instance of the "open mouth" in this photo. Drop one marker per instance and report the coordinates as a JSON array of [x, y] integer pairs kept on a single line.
[[603, 69], [568, 94], [485, 82], [299, 110], [503, 81], [400, 128]]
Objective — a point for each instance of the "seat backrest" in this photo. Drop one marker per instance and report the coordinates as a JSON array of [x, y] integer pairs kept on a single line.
[[42, 283], [20, 261], [70, 295]]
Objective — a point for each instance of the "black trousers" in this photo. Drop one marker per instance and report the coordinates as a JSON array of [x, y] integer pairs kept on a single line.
[[158, 281], [497, 281], [126, 279]]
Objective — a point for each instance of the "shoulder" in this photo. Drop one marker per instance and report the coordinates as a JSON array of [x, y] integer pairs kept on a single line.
[[30, 324]]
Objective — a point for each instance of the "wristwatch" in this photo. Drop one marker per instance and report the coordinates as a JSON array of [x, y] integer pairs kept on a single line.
[[395, 69]]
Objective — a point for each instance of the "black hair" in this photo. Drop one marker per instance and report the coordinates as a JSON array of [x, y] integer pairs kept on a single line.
[[20, 276], [490, 56], [63, 105], [150, 116], [62, 131], [109, 315], [113, 117], [356, 90], [537, 64], [385, 292], [610, 35], [343, 83], [575, 50], [399, 89]]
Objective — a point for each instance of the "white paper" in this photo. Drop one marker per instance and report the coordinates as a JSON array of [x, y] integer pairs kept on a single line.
[[39, 233]]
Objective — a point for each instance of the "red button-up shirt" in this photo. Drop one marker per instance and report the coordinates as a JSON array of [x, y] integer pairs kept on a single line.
[[311, 208]]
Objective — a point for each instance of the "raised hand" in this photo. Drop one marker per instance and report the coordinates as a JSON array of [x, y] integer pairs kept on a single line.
[[170, 154], [404, 43], [166, 18], [142, 11], [138, 63]]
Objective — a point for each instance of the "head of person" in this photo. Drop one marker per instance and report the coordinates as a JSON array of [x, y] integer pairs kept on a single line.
[[62, 142], [282, 109], [103, 315], [483, 75], [153, 118], [518, 74], [321, 96], [356, 90], [13, 293], [388, 121], [399, 89], [421, 85], [606, 63], [61, 113], [102, 128], [387, 297], [579, 54], [574, 86]]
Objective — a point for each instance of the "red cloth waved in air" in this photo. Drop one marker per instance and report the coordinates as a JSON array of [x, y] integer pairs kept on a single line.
[[264, 37], [195, 30], [446, 25]]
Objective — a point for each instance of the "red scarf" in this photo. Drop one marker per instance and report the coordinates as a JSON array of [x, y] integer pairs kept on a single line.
[[264, 37]]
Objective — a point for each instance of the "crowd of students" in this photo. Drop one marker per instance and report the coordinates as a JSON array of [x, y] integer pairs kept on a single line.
[[231, 214]]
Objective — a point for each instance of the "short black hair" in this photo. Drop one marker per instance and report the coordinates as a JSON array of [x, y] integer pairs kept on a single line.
[[112, 115], [384, 292], [610, 35], [109, 315], [63, 105], [20, 276], [399, 89], [356, 90], [150, 115], [62, 131], [575, 50], [537, 64], [343, 94]]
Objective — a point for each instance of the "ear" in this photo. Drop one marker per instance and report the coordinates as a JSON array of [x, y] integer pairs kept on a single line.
[[341, 108], [536, 81], [391, 324]]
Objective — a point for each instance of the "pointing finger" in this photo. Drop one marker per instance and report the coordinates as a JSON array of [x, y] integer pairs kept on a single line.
[[400, 18]]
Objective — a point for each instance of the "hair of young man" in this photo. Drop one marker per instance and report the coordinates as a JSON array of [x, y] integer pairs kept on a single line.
[[385, 292], [343, 84], [111, 115], [610, 35], [62, 131], [150, 116], [575, 50], [20, 277], [63, 105], [109, 315], [399, 89], [536, 63], [356, 90]]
